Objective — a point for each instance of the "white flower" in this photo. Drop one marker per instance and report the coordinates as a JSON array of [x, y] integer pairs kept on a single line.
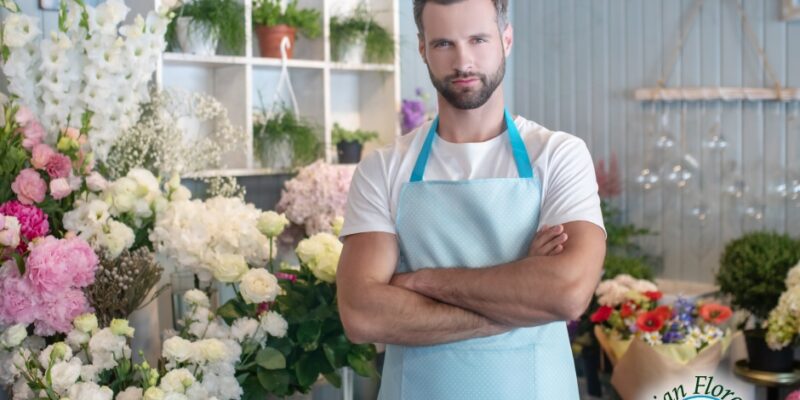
[[106, 348], [272, 224], [86, 323], [13, 336], [625, 280], [117, 238], [177, 349], [321, 254], [652, 338], [90, 373], [131, 393], [210, 350], [96, 182], [196, 297], [175, 396], [337, 225], [57, 351], [21, 390], [76, 339], [9, 231], [243, 329], [643, 286], [793, 277], [154, 393], [229, 267], [259, 286], [176, 381], [274, 324], [90, 391], [120, 327], [65, 374], [19, 29]]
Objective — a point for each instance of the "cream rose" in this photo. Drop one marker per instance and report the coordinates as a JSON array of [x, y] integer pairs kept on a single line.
[[259, 286], [229, 268], [271, 224]]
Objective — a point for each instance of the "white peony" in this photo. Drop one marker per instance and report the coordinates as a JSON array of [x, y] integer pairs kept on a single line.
[[131, 393], [65, 374], [274, 324], [272, 224], [196, 297], [176, 381], [177, 349], [259, 286], [13, 336]]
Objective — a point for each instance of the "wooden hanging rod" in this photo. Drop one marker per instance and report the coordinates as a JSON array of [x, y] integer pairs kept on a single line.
[[717, 93]]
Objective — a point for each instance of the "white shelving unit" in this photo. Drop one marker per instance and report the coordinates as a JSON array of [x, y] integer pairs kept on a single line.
[[364, 96]]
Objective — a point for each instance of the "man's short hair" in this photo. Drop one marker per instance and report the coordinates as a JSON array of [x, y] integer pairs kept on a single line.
[[501, 6]]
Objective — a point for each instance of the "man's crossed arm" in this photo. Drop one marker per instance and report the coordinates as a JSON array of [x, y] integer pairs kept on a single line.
[[432, 306]]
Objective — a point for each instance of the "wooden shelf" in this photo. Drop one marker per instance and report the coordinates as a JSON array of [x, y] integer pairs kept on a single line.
[[294, 63], [208, 61]]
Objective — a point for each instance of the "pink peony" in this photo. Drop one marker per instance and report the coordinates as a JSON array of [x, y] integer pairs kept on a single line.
[[60, 188], [29, 186], [41, 155], [32, 220], [33, 134], [58, 310], [17, 303], [59, 166], [55, 265]]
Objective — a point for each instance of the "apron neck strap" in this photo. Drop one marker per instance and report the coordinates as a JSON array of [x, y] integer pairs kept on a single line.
[[521, 158]]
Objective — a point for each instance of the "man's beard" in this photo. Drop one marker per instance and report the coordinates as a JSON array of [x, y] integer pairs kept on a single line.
[[469, 99]]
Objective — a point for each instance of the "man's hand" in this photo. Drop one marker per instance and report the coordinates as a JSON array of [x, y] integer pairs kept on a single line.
[[549, 241]]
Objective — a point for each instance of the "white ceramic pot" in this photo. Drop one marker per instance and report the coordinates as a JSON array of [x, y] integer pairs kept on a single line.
[[352, 52], [194, 39]]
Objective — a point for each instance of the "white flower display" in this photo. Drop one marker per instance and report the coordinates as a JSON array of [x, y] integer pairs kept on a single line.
[[274, 324], [259, 286], [321, 254], [613, 292], [67, 76]]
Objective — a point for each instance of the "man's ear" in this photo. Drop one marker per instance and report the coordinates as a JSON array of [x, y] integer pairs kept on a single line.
[[421, 38], [508, 39]]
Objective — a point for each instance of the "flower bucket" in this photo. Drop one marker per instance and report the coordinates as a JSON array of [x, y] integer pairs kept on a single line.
[[270, 37], [349, 152], [193, 38], [762, 358], [351, 52]]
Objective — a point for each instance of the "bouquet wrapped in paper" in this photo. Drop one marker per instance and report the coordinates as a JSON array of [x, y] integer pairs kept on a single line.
[[655, 347]]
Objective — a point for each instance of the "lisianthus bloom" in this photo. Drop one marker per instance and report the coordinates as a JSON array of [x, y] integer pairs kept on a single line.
[[715, 313], [601, 315], [651, 321], [653, 295]]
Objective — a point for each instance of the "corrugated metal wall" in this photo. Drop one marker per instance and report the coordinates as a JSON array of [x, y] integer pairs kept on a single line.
[[576, 65]]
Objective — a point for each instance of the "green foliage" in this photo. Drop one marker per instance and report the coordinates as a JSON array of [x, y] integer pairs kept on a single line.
[[212, 17], [12, 154], [301, 134], [305, 20], [343, 135], [753, 269], [361, 25]]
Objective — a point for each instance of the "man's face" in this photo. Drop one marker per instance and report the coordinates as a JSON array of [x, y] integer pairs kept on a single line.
[[464, 51]]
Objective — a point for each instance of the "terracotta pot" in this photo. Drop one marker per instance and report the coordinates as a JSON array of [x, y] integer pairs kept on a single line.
[[269, 40]]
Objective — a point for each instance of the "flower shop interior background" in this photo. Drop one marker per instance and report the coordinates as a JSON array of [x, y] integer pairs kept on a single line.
[[680, 179]]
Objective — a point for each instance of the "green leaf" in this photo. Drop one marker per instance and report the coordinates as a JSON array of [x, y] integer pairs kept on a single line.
[[361, 365], [308, 369], [336, 350], [334, 379], [229, 312], [20, 263], [276, 382], [308, 335], [254, 389], [270, 358]]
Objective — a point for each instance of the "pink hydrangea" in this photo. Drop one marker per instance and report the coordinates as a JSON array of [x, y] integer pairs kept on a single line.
[[40, 155], [18, 304], [55, 265], [29, 186], [58, 310], [32, 220], [59, 166]]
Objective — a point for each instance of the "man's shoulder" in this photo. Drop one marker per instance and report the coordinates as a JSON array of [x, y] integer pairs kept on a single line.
[[543, 140]]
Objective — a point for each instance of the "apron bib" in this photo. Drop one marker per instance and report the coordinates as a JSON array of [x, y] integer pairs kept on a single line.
[[475, 224]]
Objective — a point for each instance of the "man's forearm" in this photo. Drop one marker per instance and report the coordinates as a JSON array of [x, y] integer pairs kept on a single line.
[[394, 315]]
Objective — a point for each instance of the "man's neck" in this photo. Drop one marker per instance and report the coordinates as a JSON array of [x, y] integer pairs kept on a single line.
[[470, 126]]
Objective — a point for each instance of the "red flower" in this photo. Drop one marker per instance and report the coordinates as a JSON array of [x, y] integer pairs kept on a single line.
[[601, 315], [715, 313], [651, 321], [626, 310], [654, 296], [664, 311]]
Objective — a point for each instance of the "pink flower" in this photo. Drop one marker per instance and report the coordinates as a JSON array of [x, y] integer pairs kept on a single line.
[[96, 182], [24, 115], [58, 310], [41, 155], [33, 133], [55, 265], [59, 166], [72, 133], [17, 303], [29, 186], [794, 395], [32, 220], [59, 188]]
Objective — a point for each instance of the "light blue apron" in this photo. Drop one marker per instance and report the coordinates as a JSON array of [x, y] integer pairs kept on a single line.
[[476, 223]]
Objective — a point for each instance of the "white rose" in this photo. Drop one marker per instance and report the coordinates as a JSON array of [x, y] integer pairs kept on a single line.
[[96, 183], [176, 381], [210, 350], [259, 286], [274, 324], [325, 267], [65, 374], [154, 393], [131, 393], [177, 349], [13, 336], [196, 297], [271, 224], [86, 323], [308, 249], [337, 225], [229, 268]]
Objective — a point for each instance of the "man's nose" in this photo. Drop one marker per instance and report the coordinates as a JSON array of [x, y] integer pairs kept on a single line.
[[464, 61]]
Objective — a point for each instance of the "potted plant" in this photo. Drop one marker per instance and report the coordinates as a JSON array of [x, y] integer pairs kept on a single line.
[[284, 141], [200, 25], [752, 271], [349, 143], [276, 19], [358, 37]]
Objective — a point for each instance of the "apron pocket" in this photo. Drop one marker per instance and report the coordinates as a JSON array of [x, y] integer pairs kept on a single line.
[[457, 374]]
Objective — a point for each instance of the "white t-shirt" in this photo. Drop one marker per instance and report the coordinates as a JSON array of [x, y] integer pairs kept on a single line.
[[561, 162]]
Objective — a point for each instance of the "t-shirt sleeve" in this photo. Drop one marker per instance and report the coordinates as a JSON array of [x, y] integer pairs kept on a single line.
[[571, 193], [368, 200]]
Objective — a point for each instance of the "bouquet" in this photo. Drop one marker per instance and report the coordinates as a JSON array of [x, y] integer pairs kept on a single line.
[[676, 341], [783, 323]]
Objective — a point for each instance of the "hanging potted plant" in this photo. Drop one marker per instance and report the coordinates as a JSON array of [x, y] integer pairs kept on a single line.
[[358, 38], [275, 19], [200, 25], [752, 271], [349, 143], [284, 141]]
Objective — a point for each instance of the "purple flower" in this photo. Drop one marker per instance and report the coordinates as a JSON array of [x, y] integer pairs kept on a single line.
[[413, 112]]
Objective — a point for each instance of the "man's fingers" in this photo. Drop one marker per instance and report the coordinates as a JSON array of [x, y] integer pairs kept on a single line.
[[552, 245], [545, 235]]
